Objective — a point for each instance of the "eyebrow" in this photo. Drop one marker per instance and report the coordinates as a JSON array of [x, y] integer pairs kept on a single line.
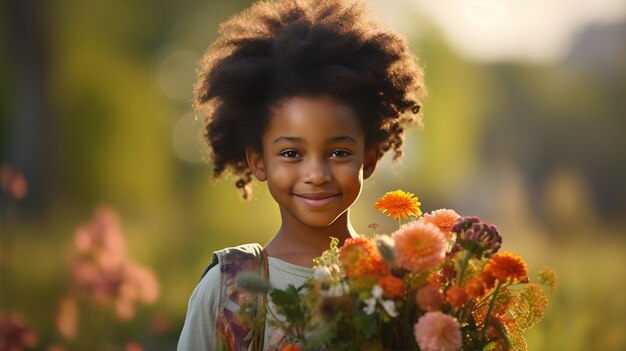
[[287, 139], [339, 138]]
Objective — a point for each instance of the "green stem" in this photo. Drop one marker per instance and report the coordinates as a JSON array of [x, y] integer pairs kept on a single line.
[[405, 320], [491, 304], [466, 257], [293, 331]]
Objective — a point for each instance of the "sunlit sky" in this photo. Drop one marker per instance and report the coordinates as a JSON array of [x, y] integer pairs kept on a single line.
[[492, 30]]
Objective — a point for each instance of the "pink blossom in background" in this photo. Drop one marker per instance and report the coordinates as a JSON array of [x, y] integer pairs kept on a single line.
[[67, 318], [102, 239], [15, 334], [132, 346], [13, 182], [103, 274]]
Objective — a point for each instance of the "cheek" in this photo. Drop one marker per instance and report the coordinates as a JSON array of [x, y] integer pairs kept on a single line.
[[351, 177], [280, 176]]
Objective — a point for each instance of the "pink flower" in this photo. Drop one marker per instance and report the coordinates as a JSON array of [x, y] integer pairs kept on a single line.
[[15, 334], [104, 274], [444, 219], [133, 346], [67, 318], [13, 182], [420, 246], [436, 331], [102, 240]]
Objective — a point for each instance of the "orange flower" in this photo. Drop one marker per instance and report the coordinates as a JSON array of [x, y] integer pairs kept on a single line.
[[392, 286], [475, 287], [359, 256], [420, 246], [429, 297], [506, 266], [488, 279], [456, 296], [444, 219], [398, 204], [290, 347]]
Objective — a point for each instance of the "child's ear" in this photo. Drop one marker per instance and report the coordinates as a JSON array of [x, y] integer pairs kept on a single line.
[[370, 160], [255, 163]]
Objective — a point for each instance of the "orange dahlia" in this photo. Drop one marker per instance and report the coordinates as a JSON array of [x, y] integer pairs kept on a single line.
[[290, 347], [429, 297], [475, 287], [506, 266], [360, 257], [444, 219], [488, 279], [456, 295], [392, 286], [398, 204], [420, 246]]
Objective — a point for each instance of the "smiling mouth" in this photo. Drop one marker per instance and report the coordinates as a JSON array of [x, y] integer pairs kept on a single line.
[[317, 200]]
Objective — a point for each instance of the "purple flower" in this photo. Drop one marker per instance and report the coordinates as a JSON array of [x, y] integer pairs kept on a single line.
[[480, 239]]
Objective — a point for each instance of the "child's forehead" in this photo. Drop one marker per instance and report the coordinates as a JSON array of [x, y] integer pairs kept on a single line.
[[310, 106], [319, 117]]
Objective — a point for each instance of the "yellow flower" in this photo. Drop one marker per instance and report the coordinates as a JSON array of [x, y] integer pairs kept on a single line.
[[548, 277], [398, 203]]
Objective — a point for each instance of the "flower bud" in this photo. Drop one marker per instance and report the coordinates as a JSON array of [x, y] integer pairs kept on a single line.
[[385, 245], [252, 282]]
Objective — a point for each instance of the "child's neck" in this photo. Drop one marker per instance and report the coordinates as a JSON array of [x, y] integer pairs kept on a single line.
[[299, 244]]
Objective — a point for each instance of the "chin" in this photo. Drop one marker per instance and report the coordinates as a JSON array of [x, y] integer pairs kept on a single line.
[[323, 222]]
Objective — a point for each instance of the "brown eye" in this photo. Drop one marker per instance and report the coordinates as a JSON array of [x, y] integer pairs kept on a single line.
[[290, 154], [340, 153]]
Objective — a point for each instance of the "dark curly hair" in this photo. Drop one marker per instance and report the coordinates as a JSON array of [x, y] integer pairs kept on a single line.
[[281, 49]]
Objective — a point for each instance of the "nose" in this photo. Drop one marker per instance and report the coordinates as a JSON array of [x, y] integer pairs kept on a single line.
[[316, 172]]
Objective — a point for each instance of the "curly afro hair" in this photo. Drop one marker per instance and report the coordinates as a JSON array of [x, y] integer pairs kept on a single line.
[[281, 49]]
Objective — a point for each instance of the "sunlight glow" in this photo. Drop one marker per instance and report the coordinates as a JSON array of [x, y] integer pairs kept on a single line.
[[492, 30]]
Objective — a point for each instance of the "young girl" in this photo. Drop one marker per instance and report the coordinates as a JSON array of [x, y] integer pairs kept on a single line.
[[307, 96]]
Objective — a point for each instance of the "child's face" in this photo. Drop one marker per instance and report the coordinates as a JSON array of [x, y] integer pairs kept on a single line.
[[314, 159]]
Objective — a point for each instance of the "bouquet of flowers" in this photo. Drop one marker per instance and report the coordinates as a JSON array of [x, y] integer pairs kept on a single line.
[[437, 283]]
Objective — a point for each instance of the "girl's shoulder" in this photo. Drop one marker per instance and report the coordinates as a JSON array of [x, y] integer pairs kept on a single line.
[[233, 260], [214, 305]]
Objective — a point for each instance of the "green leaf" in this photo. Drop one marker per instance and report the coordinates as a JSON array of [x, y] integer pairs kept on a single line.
[[289, 303]]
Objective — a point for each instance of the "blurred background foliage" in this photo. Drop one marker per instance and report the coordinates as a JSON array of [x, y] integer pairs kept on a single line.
[[95, 111]]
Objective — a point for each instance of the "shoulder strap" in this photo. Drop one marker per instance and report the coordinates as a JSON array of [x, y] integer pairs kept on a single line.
[[232, 333], [244, 252]]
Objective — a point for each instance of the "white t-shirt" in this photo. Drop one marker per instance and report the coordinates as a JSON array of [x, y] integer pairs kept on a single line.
[[198, 333]]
